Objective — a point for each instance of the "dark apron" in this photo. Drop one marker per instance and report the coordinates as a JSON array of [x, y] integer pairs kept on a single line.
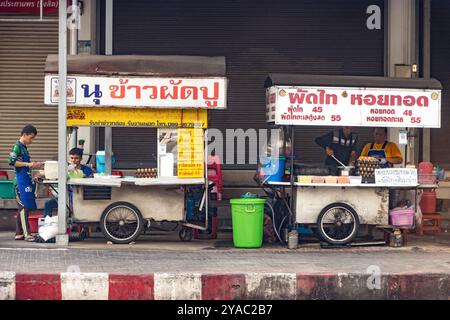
[[379, 153], [25, 183]]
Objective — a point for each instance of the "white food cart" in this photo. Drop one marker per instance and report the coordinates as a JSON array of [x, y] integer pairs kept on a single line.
[[338, 210], [170, 94]]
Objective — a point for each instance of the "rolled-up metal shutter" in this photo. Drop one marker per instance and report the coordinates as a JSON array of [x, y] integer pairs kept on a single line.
[[23, 48], [440, 69], [257, 38]]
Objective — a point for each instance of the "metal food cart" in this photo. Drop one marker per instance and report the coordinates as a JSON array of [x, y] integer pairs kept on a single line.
[[337, 210], [170, 93]]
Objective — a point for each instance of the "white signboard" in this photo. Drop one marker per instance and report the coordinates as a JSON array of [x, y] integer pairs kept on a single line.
[[208, 93], [369, 107], [396, 177]]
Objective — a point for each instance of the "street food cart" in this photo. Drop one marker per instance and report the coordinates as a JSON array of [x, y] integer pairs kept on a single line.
[[336, 206], [170, 93]]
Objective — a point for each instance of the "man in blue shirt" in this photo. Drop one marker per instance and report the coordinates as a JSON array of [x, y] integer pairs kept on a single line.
[[20, 159], [76, 154]]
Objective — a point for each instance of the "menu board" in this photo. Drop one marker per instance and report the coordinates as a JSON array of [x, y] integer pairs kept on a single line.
[[352, 106], [396, 177], [190, 153]]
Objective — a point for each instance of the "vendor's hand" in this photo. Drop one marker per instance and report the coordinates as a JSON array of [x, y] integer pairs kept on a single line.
[[382, 161], [329, 151], [35, 165]]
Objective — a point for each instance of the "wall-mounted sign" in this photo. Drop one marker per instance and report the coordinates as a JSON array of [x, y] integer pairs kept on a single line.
[[190, 153], [136, 117], [369, 107], [90, 91], [396, 177], [29, 6]]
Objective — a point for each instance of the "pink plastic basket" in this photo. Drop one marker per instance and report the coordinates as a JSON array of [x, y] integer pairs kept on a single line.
[[402, 218], [427, 178]]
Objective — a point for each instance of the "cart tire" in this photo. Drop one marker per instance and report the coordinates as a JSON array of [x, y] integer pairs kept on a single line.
[[186, 234], [342, 233], [121, 222]]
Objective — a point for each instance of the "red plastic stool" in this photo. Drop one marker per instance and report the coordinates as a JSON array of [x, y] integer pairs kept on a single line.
[[215, 175]]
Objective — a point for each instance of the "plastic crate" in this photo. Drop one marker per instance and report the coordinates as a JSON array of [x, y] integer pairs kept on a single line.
[[7, 189]]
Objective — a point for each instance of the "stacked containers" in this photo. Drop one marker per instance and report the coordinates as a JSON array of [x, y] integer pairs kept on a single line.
[[427, 176]]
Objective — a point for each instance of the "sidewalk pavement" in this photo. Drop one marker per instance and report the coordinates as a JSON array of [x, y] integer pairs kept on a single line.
[[161, 267]]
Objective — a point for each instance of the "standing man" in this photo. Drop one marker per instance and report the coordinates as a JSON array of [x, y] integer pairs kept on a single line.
[[20, 159], [386, 152], [341, 144]]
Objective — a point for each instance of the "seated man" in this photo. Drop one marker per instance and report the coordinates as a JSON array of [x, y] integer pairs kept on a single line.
[[386, 152], [76, 154]]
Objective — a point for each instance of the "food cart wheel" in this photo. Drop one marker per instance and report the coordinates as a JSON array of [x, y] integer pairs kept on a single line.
[[121, 222], [186, 234], [338, 223]]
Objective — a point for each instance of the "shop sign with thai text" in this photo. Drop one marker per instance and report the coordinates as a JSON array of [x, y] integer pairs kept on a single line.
[[369, 107], [29, 6], [155, 92]]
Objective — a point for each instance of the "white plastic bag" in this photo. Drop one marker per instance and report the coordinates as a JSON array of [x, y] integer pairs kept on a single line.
[[50, 228]]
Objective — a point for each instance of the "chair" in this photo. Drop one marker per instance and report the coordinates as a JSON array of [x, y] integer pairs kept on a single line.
[[430, 222]]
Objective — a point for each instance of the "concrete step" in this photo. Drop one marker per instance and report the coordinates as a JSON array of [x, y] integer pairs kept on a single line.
[[12, 203]]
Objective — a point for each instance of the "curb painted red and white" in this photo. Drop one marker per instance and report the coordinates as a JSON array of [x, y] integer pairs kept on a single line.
[[197, 286]]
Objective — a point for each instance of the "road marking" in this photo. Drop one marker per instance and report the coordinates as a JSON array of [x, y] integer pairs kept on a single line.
[[7, 286], [178, 286], [84, 286]]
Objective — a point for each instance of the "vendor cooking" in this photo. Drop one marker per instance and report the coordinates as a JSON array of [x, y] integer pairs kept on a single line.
[[76, 154], [340, 144], [386, 152]]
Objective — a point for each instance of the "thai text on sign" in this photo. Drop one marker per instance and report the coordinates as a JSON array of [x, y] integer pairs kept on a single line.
[[136, 117], [190, 153], [396, 177], [89, 91], [372, 107]]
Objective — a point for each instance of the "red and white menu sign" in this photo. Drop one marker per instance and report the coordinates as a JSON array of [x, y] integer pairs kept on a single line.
[[90, 91], [368, 107]]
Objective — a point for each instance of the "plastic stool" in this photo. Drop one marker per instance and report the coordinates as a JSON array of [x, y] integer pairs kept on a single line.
[[215, 175], [435, 225]]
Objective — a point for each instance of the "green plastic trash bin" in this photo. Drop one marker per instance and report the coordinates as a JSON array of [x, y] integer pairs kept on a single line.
[[247, 216]]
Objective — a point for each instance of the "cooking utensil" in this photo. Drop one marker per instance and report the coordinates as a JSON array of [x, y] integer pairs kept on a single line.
[[343, 165]]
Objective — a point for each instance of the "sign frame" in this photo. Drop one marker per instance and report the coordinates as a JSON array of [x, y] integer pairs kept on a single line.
[[140, 92], [313, 104]]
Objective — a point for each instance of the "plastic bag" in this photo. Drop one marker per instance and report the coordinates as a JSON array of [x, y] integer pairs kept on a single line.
[[50, 228]]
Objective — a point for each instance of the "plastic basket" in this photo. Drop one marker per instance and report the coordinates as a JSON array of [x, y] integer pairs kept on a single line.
[[402, 218], [427, 178], [7, 189]]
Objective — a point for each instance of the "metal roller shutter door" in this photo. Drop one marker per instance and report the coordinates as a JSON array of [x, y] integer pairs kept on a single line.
[[440, 69], [23, 49], [257, 38]]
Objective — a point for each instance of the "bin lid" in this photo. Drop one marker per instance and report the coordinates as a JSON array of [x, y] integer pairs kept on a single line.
[[246, 201]]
